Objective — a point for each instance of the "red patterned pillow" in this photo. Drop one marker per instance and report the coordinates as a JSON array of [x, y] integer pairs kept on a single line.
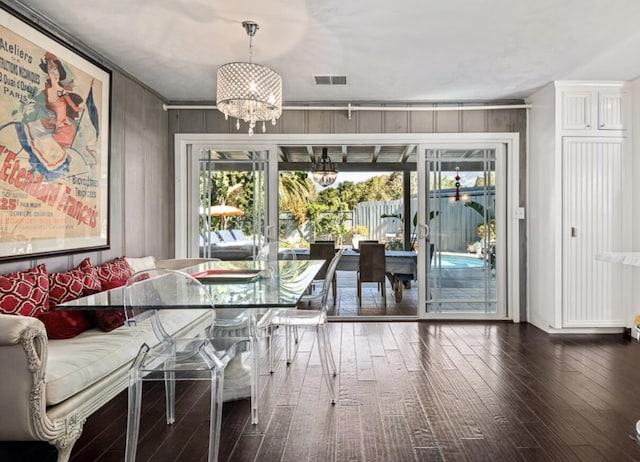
[[62, 288], [113, 273], [25, 292], [90, 280], [64, 323], [65, 286]]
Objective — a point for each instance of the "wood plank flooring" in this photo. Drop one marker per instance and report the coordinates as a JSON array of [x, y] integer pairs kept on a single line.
[[407, 391]]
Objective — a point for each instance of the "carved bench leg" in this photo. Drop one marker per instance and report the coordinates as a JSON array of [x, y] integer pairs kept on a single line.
[[65, 443]]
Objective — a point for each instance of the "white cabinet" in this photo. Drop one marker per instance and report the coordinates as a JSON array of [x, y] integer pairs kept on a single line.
[[578, 204], [593, 218], [594, 109], [576, 110]]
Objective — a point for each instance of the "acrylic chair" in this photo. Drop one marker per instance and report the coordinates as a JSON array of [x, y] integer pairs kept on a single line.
[[371, 268], [147, 295], [291, 318], [269, 255]]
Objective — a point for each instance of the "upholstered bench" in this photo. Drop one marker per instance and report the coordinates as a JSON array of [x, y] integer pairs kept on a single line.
[[50, 386]]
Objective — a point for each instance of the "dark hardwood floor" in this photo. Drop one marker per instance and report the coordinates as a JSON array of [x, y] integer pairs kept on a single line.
[[408, 391]]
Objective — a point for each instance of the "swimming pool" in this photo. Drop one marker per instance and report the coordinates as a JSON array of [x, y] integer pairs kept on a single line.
[[457, 262]]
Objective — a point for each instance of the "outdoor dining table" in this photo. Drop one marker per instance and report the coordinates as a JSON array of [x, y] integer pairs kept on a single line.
[[401, 266], [245, 286]]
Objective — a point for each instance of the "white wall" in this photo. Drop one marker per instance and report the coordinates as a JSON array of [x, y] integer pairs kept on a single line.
[[543, 210], [635, 203]]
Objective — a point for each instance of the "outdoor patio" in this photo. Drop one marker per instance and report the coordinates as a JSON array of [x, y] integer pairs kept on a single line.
[[457, 284]]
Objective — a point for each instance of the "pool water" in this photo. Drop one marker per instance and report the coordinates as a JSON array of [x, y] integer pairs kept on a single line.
[[457, 261]]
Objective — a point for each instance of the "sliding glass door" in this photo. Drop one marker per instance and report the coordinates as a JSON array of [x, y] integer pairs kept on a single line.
[[226, 199], [463, 235], [231, 204]]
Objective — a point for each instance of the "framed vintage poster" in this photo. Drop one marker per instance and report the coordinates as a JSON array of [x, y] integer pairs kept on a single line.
[[54, 145]]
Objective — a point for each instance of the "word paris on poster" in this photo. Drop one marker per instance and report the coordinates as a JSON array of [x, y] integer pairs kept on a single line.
[[54, 145]]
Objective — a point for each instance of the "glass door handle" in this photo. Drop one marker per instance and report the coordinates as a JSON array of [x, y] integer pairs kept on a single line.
[[423, 231]]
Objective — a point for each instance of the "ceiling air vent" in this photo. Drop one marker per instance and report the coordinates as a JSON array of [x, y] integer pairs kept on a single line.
[[331, 79]]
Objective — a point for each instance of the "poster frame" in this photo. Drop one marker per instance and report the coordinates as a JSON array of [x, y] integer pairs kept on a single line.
[[15, 245]]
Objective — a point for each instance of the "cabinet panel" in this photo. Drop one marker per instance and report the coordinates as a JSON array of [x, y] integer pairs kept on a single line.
[[593, 208], [576, 110], [610, 111]]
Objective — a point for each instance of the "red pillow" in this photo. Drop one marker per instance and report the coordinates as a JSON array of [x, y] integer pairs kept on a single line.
[[113, 273], [107, 320], [65, 286], [25, 292], [64, 323], [90, 280]]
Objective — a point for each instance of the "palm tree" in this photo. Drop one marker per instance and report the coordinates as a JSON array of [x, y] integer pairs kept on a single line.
[[295, 191]]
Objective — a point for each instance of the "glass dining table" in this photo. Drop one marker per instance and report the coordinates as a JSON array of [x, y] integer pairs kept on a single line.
[[255, 288]]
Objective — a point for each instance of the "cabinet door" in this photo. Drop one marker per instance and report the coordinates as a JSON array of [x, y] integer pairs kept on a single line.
[[611, 110], [576, 110], [593, 203]]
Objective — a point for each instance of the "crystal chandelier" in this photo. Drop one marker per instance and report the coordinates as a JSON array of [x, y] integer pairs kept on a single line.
[[248, 91], [324, 172]]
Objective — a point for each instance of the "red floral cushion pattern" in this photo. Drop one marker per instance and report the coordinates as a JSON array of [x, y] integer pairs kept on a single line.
[[25, 292], [64, 323]]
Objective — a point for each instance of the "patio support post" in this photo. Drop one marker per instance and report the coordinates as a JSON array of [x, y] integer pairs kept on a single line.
[[406, 200]]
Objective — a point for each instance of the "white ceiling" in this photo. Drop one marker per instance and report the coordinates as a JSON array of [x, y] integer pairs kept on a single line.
[[400, 51]]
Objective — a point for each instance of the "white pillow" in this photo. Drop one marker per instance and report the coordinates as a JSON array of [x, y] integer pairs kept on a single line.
[[142, 263]]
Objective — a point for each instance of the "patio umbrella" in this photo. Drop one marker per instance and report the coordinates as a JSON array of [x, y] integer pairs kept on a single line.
[[221, 211]]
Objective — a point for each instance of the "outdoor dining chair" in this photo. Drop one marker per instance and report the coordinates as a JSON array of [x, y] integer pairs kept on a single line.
[[372, 268], [323, 250]]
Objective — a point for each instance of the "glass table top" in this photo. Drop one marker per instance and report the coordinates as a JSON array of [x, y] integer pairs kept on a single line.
[[277, 285]]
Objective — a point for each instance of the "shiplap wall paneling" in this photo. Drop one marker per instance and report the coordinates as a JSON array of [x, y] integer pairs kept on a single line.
[[448, 121], [214, 122], [343, 124], [135, 177], [158, 189], [593, 207], [474, 121], [370, 122], [320, 121], [291, 122], [396, 122]]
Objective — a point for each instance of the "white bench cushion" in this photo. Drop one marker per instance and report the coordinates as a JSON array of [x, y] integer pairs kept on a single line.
[[74, 364]]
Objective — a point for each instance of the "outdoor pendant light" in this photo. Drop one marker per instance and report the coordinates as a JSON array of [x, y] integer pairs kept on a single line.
[[324, 172]]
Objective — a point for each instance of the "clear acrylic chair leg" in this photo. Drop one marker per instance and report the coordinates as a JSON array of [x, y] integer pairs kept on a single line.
[[133, 416], [287, 339], [170, 395], [255, 377], [329, 351], [270, 346], [217, 383], [323, 361]]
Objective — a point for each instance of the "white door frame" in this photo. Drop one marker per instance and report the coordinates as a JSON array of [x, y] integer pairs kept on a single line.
[[502, 222], [270, 144]]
